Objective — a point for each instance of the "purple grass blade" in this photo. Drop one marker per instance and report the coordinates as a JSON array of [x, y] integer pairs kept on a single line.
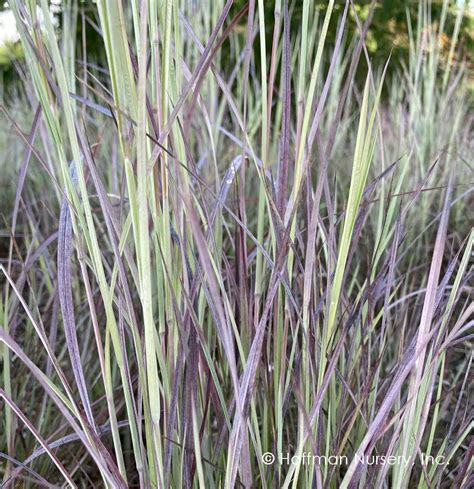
[[282, 178], [66, 300]]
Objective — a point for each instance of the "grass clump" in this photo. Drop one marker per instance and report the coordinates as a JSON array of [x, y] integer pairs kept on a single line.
[[226, 262]]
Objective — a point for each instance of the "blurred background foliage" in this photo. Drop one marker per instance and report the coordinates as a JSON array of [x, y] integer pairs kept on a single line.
[[388, 33]]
